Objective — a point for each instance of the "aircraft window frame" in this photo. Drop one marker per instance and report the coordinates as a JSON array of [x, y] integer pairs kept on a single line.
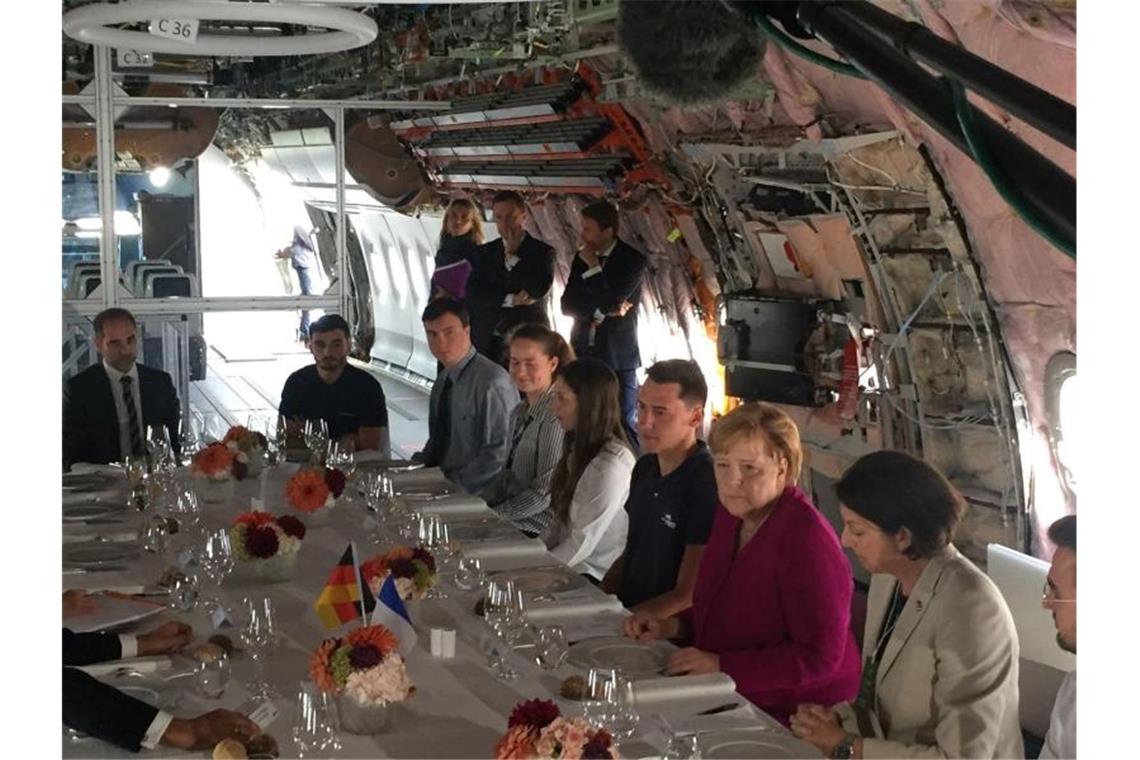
[[1060, 371]]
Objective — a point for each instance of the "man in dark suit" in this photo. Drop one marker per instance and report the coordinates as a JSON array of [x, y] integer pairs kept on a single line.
[[102, 711], [107, 407], [510, 278], [602, 294]]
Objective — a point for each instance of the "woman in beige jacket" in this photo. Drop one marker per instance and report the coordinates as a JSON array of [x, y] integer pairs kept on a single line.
[[940, 650]]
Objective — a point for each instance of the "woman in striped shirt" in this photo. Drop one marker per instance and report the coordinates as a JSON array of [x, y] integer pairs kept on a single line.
[[521, 492]]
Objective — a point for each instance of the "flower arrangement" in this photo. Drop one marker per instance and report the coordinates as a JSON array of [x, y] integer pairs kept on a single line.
[[220, 462], [260, 535], [414, 571], [364, 666], [247, 440], [270, 542], [536, 729], [315, 488]]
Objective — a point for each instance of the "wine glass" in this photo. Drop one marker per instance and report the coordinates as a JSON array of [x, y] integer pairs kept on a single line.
[[495, 612], [155, 535], [217, 559], [597, 702], [469, 573], [514, 621], [342, 456], [183, 593], [186, 508], [305, 733], [259, 635], [158, 444], [189, 438], [316, 434], [213, 677], [551, 646], [328, 738], [622, 703]]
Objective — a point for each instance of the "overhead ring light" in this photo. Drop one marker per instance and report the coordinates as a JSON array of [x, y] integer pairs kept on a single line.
[[91, 24]]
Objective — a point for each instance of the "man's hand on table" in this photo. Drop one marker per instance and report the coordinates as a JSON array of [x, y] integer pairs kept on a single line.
[[166, 639], [205, 731], [76, 602]]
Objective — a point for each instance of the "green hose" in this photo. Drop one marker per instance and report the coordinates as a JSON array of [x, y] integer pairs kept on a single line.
[[978, 148], [778, 34], [1010, 194]]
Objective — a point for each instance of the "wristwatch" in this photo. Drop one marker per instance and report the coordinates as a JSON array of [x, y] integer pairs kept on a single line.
[[845, 750]]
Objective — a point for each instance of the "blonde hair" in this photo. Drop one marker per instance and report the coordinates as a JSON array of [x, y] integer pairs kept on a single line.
[[461, 205], [760, 419]]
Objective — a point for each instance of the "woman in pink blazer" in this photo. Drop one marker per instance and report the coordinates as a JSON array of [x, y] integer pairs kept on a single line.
[[772, 602]]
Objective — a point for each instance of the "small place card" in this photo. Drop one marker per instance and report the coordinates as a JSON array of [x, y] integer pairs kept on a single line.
[[264, 715], [186, 558], [220, 619]]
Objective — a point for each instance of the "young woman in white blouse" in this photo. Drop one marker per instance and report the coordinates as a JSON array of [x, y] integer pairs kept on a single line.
[[591, 481]]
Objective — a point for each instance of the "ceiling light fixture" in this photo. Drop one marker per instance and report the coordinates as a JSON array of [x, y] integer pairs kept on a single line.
[[93, 24]]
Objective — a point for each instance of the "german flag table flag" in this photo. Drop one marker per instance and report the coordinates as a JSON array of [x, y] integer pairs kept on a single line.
[[345, 593]]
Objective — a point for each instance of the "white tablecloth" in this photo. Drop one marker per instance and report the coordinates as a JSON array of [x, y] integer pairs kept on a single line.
[[459, 708]]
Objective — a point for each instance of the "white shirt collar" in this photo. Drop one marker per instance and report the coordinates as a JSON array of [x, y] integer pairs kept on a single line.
[[117, 376]]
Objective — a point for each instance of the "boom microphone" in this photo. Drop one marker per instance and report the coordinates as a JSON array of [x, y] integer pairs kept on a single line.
[[689, 51]]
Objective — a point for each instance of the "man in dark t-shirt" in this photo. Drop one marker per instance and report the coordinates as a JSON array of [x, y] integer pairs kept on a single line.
[[348, 399], [672, 494]]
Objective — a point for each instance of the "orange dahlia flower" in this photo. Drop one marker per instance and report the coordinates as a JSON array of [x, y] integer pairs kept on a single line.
[[319, 665], [517, 744], [307, 491], [255, 519], [213, 459], [376, 635], [236, 433]]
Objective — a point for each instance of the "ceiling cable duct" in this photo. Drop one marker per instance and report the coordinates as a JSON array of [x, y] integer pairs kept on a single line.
[[167, 77]]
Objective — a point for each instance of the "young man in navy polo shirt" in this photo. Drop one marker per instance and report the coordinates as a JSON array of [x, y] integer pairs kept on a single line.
[[672, 494]]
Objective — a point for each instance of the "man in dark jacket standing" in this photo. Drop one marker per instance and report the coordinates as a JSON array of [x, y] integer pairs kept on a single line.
[[602, 294], [108, 406], [510, 280]]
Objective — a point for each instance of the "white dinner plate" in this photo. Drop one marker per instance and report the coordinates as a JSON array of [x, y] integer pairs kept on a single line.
[[738, 744], [632, 658], [481, 531], [546, 580], [90, 511], [95, 553], [114, 613]]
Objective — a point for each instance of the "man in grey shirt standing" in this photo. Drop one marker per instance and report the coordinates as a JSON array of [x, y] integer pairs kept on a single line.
[[469, 423]]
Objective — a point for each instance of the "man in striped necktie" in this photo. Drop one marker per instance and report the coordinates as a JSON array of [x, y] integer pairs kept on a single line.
[[108, 406]]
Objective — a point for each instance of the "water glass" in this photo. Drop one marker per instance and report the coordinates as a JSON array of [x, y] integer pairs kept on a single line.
[[305, 733], [186, 508], [342, 456], [189, 439], [623, 706], [469, 573], [183, 594], [597, 703], [514, 621], [259, 635], [316, 434], [683, 747], [155, 535], [551, 646], [213, 677], [216, 559], [328, 739]]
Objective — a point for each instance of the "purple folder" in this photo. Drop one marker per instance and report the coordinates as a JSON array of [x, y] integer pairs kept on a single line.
[[452, 278]]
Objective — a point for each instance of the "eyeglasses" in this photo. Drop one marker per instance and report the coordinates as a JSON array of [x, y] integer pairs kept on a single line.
[[1048, 597]]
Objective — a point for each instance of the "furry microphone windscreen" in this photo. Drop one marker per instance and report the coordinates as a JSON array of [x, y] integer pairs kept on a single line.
[[689, 51]]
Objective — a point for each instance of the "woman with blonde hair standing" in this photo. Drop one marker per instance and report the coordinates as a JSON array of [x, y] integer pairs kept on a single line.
[[772, 602], [462, 233]]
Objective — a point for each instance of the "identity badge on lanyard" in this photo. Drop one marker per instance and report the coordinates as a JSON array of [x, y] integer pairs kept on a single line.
[[866, 698]]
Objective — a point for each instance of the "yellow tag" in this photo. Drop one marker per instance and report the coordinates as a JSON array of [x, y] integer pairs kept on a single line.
[[674, 235]]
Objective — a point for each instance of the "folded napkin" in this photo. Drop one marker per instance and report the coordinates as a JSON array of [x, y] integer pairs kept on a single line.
[[104, 496], [693, 693], [580, 607], [513, 548], [141, 664], [747, 716], [608, 623], [76, 537], [450, 505], [419, 478], [87, 468]]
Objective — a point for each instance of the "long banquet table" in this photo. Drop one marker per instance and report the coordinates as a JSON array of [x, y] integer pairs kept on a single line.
[[459, 708]]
